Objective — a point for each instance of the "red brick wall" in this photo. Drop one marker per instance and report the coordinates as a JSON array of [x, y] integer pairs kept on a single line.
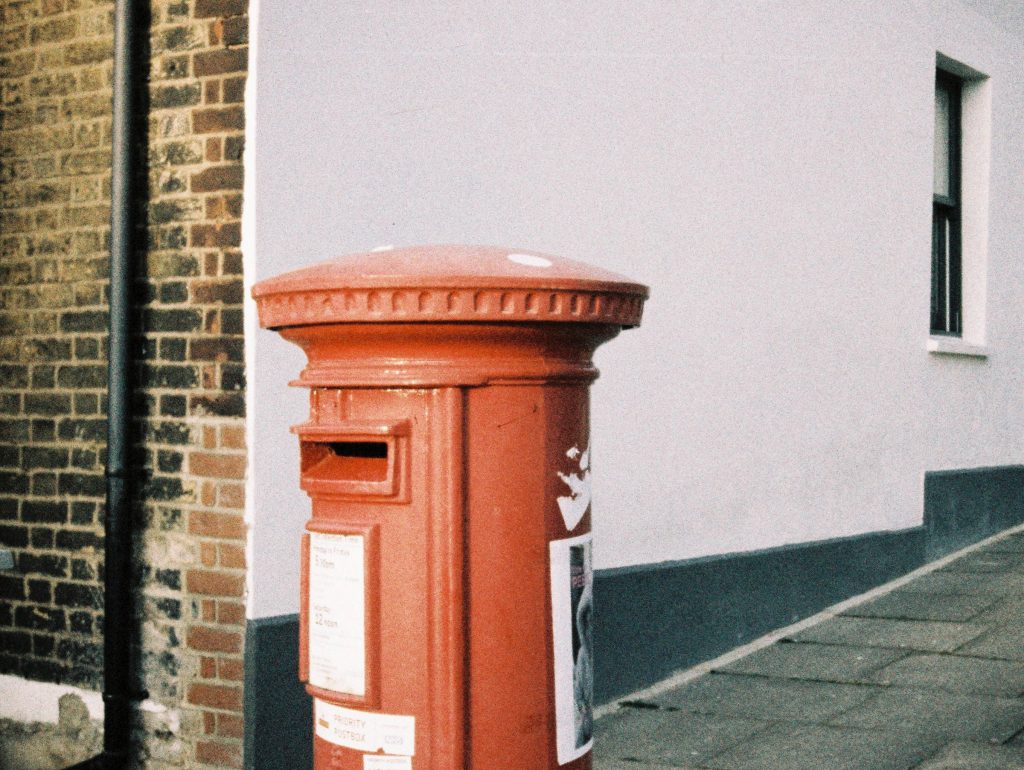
[[55, 70]]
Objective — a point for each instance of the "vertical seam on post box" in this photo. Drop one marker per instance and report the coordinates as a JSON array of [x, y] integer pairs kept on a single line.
[[446, 459]]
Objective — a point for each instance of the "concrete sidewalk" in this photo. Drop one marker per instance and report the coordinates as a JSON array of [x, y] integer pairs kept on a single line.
[[927, 672]]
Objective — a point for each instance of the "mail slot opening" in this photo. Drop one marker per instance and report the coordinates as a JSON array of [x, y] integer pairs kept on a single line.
[[347, 460]]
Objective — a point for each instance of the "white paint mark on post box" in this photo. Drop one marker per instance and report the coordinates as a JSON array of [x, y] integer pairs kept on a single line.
[[574, 505]]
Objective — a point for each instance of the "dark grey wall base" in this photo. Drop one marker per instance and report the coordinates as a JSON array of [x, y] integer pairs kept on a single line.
[[278, 712], [656, 619], [962, 507], [659, 618]]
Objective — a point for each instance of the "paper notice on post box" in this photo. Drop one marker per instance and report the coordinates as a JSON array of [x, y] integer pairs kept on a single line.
[[365, 730], [572, 607], [337, 613]]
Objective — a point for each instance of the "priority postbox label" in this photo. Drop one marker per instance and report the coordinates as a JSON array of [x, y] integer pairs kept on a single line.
[[365, 730], [337, 612]]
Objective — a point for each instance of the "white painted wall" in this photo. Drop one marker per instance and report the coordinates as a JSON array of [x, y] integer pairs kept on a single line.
[[765, 166]]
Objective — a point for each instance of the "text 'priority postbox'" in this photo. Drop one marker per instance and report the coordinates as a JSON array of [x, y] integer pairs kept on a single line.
[[447, 579]]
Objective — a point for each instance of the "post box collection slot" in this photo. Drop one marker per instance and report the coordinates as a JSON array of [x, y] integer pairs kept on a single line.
[[347, 460], [355, 459]]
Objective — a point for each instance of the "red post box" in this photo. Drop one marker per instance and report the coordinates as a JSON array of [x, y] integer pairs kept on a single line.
[[446, 602]]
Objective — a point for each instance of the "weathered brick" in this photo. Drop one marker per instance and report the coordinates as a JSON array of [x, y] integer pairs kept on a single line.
[[172, 320], [14, 482], [44, 457], [234, 146], [229, 725], [177, 377], [43, 564], [42, 537], [227, 755], [40, 618], [205, 639], [231, 556], [216, 349], [212, 120], [13, 536], [178, 38], [82, 429], [78, 540], [84, 376], [88, 52], [43, 645], [205, 9], [48, 404], [207, 235], [16, 642], [216, 696], [213, 583], [215, 178], [78, 595], [217, 465], [40, 591], [80, 622], [44, 484], [232, 377], [57, 29], [12, 587], [81, 484], [173, 406], [231, 613], [235, 30], [218, 62], [222, 405], [84, 321], [80, 652]]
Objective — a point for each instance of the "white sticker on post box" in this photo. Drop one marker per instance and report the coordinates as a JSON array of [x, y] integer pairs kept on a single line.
[[384, 762], [337, 613], [365, 730]]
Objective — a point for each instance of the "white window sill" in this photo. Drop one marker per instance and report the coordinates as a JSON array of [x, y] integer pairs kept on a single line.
[[954, 346]]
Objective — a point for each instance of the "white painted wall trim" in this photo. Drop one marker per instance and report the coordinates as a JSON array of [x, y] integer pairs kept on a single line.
[[954, 346], [250, 322], [27, 701]]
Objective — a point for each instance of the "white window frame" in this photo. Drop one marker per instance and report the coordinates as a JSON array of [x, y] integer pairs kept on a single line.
[[975, 163]]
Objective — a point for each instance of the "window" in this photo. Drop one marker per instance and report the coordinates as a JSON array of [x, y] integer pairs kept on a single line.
[[960, 202], [947, 263]]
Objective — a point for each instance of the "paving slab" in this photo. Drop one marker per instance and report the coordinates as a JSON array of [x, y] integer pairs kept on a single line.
[[939, 582], [987, 562], [915, 605], [1005, 612], [675, 738], [625, 764], [925, 635], [757, 697], [816, 662], [937, 715], [1011, 544], [817, 747], [976, 756], [1002, 643], [955, 674]]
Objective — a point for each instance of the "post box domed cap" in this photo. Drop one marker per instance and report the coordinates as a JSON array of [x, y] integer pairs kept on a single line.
[[449, 283]]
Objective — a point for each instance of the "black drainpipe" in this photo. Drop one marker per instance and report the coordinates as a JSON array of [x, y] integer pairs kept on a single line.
[[130, 28]]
